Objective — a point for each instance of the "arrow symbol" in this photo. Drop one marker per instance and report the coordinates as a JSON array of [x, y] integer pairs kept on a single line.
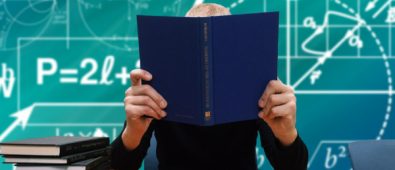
[[371, 5], [381, 9], [22, 118]]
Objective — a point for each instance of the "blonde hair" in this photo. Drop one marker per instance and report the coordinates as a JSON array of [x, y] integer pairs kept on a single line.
[[207, 9]]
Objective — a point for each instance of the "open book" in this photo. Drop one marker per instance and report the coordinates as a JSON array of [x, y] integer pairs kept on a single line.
[[211, 70]]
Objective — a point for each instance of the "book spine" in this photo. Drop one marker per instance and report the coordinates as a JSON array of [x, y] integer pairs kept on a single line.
[[78, 147], [207, 71]]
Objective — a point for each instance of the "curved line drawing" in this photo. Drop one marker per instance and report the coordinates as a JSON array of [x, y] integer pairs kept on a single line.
[[125, 47], [324, 55], [33, 7], [15, 18], [13, 22], [320, 30]]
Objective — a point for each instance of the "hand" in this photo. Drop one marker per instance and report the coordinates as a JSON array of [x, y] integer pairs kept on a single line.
[[278, 104], [142, 105]]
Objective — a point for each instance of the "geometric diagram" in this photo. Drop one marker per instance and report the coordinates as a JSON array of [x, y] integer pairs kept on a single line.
[[64, 66], [319, 30], [353, 40], [332, 154], [127, 11], [36, 16]]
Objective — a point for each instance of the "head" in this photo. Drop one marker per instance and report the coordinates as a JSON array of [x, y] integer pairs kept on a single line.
[[207, 9]]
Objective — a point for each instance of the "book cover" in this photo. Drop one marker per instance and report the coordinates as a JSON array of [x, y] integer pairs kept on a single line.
[[211, 70], [53, 146]]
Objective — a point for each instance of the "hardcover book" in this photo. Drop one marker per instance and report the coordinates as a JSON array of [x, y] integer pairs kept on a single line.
[[89, 164], [57, 160], [52, 146], [211, 70]]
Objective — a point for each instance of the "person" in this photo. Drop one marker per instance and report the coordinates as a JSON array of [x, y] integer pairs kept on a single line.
[[226, 146]]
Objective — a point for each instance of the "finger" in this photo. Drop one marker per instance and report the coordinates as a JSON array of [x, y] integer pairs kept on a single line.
[[138, 111], [273, 87], [137, 75], [159, 100], [151, 92], [128, 91], [263, 116], [277, 100], [283, 110], [145, 100]]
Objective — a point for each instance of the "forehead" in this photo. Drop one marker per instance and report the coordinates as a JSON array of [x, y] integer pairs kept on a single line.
[[205, 10]]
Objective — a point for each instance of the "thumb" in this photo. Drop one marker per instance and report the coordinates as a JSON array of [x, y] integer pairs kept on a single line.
[[137, 75]]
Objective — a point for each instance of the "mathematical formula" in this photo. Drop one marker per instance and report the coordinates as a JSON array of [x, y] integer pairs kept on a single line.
[[84, 74]]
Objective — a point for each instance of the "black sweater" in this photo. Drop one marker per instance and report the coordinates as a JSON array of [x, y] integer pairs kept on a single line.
[[227, 146]]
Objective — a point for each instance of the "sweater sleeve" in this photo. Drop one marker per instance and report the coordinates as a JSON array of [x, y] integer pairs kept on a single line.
[[294, 156], [123, 158]]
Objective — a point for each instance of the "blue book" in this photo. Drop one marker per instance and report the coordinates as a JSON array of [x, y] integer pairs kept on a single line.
[[211, 70], [372, 154]]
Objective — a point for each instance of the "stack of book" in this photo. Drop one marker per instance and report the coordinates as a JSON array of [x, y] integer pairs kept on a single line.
[[68, 153]]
